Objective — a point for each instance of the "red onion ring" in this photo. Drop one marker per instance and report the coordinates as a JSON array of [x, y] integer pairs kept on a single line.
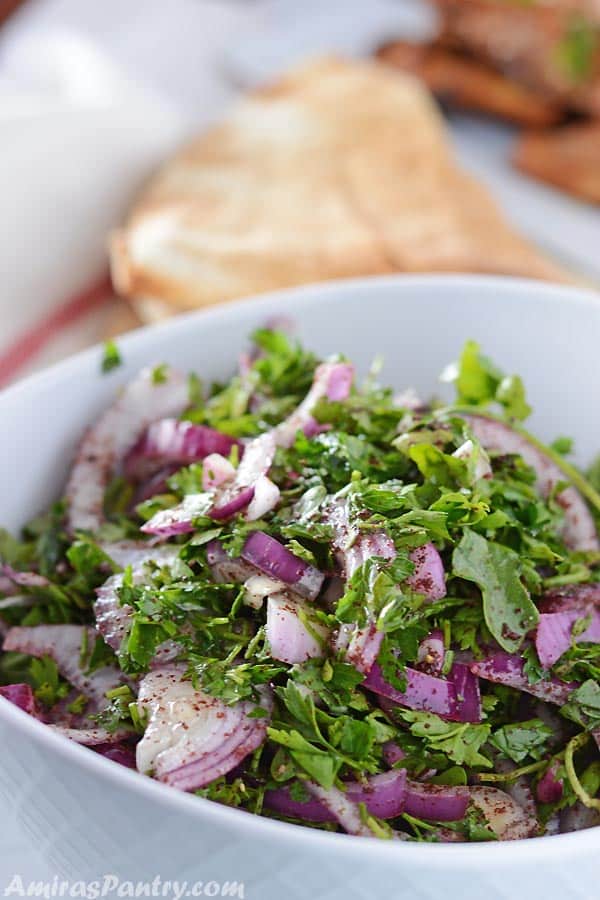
[[580, 530], [106, 443], [63, 644], [272, 558], [174, 441], [505, 668]]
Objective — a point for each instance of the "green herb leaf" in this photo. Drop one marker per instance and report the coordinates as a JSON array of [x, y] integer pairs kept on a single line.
[[508, 609], [519, 740], [459, 742], [111, 358]]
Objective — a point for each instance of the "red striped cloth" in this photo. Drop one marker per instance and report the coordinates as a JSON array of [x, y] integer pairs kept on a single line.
[[24, 350]]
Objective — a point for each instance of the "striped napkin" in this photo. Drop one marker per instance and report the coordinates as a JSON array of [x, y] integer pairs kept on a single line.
[[76, 145]]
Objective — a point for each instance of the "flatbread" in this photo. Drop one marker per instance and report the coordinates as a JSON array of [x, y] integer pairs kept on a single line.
[[340, 169], [568, 158], [461, 81]]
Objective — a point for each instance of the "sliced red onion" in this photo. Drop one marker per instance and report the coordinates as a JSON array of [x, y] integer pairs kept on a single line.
[[138, 553], [259, 588], [290, 639], [507, 819], [113, 618], [92, 737], [20, 695], [550, 788], [106, 443], [216, 471], [554, 631], [271, 557], [422, 691], [363, 647], [265, 499], [504, 668], [361, 644], [192, 738], [179, 519], [174, 441], [24, 579], [468, 695], [312, 428], [392, 753], [331, 380], [257, 459], [341, 807], [353, 549], [14, 601], [431, 653], [428, 577], [123, 754], [158, 483], [518, 788], [309, 810], [234, 570], [580, 530], [7, 586], [232, 502], [239, 492], [365, 547], [596, 736], [571, 597], [383, 795], [63, 644], [227, 569], [436, 802], [429, 693]]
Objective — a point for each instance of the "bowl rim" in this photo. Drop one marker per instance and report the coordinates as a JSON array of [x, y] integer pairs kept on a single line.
[[459, 855]]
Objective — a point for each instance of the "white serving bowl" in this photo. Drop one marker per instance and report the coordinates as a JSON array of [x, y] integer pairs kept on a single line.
[[91, 816]]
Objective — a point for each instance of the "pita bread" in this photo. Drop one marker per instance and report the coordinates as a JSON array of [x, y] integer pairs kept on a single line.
[[340, 169], [568, 158]]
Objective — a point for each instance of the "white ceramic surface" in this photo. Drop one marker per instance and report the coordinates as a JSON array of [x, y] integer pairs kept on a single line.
[[87, 816]]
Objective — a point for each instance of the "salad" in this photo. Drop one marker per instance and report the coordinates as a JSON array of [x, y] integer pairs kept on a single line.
[[318, 600]]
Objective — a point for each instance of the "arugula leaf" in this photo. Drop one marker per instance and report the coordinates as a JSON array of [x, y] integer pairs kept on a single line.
[[508, 609]]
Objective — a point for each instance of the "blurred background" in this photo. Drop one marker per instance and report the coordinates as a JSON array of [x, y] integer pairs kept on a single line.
[[95, 96]]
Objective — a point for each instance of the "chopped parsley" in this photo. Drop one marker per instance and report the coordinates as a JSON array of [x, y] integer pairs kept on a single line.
[[111, 357]]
